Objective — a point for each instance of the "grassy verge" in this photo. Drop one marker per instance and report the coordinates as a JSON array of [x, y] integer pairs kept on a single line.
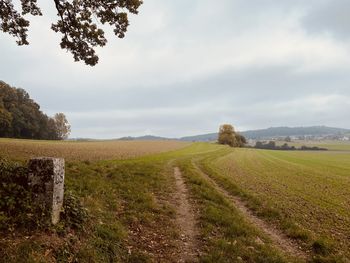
[[126, 201]]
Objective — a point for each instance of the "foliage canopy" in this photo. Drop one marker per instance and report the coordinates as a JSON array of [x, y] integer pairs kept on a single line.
[[80, 34], [62, 126], [21, 117], [228, 136]]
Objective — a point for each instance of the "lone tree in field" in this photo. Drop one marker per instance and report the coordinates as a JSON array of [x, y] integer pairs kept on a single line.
[[228, 136], [62, 126], [75, 22]]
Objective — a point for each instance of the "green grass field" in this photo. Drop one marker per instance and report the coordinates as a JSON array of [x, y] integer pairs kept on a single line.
[[133, 213], [305, 193]]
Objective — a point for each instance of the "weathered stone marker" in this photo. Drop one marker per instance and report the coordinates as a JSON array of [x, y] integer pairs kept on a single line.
[[46, 177]]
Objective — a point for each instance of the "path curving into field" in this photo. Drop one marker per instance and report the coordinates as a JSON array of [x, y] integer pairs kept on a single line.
[[279, 239], [188, 245]]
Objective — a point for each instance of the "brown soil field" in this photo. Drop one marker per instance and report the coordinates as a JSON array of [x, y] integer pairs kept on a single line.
[[85, 151]]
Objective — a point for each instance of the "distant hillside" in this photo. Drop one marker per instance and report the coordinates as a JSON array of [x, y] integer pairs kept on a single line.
[[201, 138], [296, 131], [144, 138], [255, 134], [275, 132]]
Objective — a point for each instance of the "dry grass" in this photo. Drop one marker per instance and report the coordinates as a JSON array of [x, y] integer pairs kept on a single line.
[[81, 151]]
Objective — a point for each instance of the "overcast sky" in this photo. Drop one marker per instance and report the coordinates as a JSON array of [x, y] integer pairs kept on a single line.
[[185, 67]]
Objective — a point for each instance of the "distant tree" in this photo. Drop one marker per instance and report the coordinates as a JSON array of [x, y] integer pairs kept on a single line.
[[227, 135], [80, 34], [62, 126], [271, 145], [240, 139], [259, 145], [285, 146], [288, 139]]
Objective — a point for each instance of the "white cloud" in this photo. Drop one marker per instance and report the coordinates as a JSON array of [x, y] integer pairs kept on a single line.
[[185, 67]]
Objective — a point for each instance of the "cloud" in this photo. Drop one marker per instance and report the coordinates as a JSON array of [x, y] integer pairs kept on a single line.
[[185, 67], [329, 18]]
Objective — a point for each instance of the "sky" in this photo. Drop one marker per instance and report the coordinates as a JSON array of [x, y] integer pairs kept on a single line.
[[185, 67]]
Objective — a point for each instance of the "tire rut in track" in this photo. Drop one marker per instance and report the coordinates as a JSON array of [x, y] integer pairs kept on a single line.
[[188, 243], [279, 239]]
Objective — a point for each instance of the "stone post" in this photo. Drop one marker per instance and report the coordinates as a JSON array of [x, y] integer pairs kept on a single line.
[[46, 178]]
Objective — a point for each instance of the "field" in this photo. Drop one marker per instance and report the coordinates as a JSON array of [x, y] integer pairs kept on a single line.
[[194, 203], [305, 193], [91, 150]]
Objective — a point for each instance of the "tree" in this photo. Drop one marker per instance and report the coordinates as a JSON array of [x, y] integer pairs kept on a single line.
[[21, 117], [259, 145], [5, 122], [75, 22], [241, 140], [62, 126], [227, 135], [271, 145], [288, 139]]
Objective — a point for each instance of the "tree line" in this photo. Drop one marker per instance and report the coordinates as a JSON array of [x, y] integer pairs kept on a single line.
[[21, 117], [228, 136], [271, 145]]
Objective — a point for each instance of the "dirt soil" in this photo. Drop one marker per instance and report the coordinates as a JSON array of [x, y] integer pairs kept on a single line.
[[188, 243]]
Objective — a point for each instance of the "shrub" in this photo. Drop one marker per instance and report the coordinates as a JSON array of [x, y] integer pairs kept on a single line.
[[74, 215], [15, 197]]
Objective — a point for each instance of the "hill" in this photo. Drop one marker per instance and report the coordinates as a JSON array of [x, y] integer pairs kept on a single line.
[[295, 131], [144, 138], [274, 132], [269, 133], [201, 138]]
